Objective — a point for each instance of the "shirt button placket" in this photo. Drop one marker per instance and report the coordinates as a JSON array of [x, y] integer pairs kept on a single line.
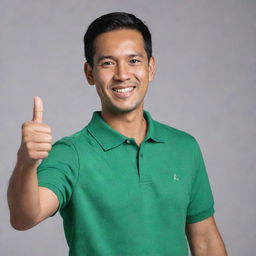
[[144, 175]]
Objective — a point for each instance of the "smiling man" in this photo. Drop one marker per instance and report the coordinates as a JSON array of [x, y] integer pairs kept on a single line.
[[125, 185]]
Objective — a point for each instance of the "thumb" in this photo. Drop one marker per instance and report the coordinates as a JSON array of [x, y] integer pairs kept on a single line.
[[38, 110]]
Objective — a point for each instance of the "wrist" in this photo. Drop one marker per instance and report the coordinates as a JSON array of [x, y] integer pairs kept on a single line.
[[24, 164], [24, 161]]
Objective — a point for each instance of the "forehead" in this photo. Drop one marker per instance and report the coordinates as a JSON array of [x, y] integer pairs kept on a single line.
[[119, 41]]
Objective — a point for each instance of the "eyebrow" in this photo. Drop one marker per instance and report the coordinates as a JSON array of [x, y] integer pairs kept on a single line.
[[113, 58], [136, 55], [104, 57]]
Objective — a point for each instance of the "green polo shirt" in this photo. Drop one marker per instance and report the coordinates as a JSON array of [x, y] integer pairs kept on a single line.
[[118, 199]]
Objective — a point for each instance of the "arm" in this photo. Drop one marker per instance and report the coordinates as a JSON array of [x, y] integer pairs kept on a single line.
[[28, 203], [204, 238]]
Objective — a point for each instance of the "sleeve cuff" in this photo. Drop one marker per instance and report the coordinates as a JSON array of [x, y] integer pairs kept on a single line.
[[201, 216]]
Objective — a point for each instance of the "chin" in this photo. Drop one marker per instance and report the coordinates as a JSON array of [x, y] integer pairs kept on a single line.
[[117, 109]]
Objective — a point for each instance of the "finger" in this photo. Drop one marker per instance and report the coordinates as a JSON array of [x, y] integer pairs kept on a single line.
[[38, 138], [39, 147], [42, 128], [33, 147], [38, 110], [42, 138], [32, 127], [39, 155]]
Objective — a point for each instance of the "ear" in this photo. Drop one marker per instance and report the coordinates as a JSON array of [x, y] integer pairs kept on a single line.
[[88, 73], [151, 68]]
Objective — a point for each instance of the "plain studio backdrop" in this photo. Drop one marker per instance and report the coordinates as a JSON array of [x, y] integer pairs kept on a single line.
[[205, 85]]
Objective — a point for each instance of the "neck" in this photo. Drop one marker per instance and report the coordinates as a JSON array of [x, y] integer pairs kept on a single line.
[[131, 124]]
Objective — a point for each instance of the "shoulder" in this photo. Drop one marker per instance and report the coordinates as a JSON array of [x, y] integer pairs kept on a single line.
[[177, 139], [171, 133], [73, 139]]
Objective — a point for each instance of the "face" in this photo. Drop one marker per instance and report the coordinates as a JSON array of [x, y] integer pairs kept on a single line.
[[121, 70]]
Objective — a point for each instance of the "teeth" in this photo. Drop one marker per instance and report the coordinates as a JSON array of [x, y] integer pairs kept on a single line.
[[128, 89]]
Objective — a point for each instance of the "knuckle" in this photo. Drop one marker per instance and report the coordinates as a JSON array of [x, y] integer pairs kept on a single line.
[[24, 127], [44, 155], [31, 154], [27, 129], [25, 138], [29, 145], [50, 138], [49, 147], [25, 124], [49, 129]]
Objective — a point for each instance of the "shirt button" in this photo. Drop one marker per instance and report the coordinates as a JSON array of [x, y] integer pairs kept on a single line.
[[141, 155], [128, 141]]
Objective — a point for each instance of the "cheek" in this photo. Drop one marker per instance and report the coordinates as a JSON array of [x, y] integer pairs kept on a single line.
[[104, 79], [142, 74], [103, 82]]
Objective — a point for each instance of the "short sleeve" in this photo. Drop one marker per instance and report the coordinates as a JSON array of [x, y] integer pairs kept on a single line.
[[201, 204], [59, 171]]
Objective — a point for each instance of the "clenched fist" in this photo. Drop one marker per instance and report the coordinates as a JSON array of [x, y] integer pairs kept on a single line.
[[36, 137]]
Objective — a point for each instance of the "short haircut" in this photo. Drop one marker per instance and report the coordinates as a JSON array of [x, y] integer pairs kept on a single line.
[[114, 21]]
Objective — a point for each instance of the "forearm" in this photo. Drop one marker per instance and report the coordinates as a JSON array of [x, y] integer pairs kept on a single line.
[[210, 247], [23, 196]]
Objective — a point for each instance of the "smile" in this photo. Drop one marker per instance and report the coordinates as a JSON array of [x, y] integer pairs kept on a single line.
[[128, 89], [123, 92]]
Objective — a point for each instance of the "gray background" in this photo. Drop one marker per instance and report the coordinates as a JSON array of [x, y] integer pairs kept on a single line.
[[205, 85]]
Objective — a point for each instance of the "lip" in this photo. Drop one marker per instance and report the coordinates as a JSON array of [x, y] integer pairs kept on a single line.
[[122, 87], [123, 95]]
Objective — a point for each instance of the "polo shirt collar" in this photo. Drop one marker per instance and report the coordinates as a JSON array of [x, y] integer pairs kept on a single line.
[[109, 138]]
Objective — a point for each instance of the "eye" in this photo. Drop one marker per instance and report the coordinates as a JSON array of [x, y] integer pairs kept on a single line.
[[107, 63], [135, 61]]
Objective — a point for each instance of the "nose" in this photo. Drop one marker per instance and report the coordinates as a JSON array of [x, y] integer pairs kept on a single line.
[[122, 72]]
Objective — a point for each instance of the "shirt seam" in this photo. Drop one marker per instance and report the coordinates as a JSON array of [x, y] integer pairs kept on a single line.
[[78, 175], [75, 185], [195, 173]]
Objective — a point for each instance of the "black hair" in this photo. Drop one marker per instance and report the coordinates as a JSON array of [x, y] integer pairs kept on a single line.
[[114, 21]]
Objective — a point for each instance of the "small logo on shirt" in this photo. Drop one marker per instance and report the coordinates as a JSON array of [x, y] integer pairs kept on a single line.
[[175, 177]]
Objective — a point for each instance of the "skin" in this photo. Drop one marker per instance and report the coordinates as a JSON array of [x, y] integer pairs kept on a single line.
[[28, 203], [120, 60], [204, 238]]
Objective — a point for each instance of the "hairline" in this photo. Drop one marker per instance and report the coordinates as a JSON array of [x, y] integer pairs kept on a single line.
[[116, 29]]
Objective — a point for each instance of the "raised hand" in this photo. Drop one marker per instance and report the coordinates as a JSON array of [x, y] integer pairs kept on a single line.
[[36, 137]]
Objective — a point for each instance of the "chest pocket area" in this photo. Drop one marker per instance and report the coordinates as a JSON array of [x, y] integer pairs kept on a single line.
[[169, 188]]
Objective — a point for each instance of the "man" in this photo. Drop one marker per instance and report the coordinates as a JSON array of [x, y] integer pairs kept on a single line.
[[125, 185]]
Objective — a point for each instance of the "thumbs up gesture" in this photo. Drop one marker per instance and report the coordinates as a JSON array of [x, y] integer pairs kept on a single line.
[[36, 137], [38, 110]]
